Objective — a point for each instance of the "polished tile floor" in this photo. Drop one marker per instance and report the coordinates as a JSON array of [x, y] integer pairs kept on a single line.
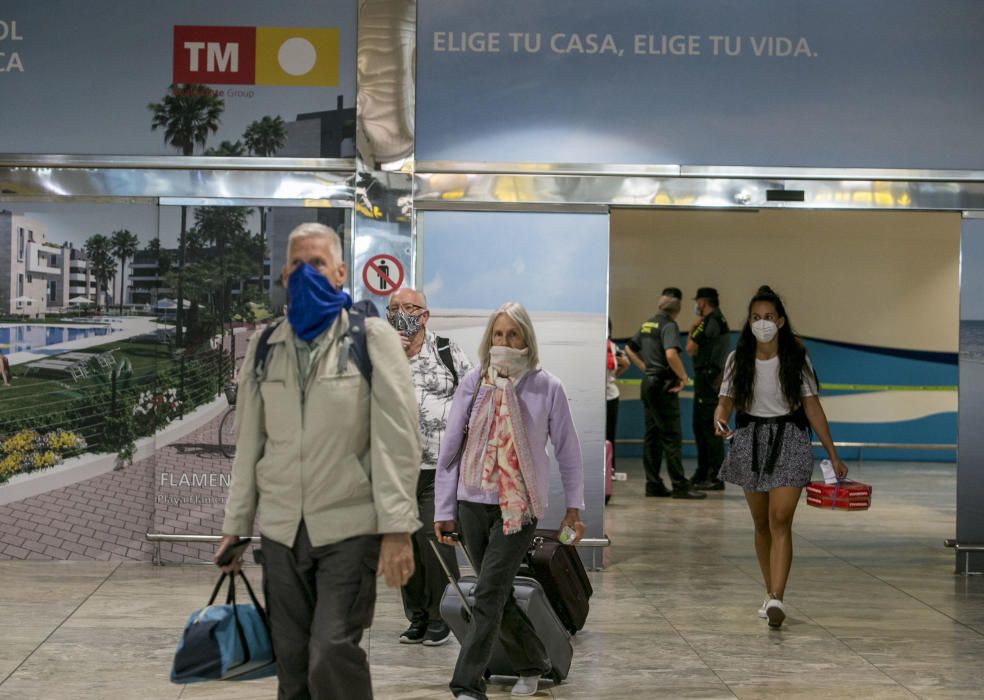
[[875, 611]]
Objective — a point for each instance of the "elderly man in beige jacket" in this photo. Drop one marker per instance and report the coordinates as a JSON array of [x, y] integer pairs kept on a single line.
[[329, 463]]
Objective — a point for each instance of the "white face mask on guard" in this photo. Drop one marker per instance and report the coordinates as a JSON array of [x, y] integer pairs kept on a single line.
[[764, 331]]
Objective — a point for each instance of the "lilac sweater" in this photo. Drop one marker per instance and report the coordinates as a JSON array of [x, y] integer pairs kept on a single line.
[[547, 415]]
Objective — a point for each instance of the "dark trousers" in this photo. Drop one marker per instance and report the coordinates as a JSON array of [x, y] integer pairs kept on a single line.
[[422, 594], [710, 447], [663, 437], [611, 423], [495, 613], [320, 599]]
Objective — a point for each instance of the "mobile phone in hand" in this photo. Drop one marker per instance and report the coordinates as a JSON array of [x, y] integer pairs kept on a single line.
[[233, 551]]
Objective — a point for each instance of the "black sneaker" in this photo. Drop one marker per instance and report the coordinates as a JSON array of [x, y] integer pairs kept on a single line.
[[438, 633], [688, 493], [709, 485], [415, 633]]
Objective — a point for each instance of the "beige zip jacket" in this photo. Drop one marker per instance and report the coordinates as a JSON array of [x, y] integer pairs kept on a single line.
[[335, 455]]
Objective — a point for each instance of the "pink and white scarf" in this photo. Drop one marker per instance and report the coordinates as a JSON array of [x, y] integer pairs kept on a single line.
[[498, 454]]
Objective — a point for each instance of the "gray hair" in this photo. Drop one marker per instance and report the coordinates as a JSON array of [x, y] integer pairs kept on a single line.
[[515, 311], [315, 230], [669, 305], [423, 296]]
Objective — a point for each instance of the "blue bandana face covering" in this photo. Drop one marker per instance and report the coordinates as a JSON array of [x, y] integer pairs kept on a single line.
[[314, 302]]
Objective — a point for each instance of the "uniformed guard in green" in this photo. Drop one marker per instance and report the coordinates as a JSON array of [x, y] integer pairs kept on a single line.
[[655, 349], [709, 344]]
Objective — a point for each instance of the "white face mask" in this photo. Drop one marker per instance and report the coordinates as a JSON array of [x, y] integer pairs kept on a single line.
[[507, 361], [764, 331], [697, 311]]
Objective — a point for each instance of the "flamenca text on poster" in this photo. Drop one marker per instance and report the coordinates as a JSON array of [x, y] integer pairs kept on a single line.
[[210, 480]]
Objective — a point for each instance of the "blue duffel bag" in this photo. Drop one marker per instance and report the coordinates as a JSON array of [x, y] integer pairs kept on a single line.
[[228, 642]]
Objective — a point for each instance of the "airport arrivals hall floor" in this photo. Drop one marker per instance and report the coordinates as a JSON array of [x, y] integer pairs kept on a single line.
[[875, 611]]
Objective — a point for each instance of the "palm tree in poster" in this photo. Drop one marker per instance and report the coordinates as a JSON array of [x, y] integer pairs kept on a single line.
[[188, 114], [98, 250], [264, 137], [163, 259], [123, 245], [227, 148]]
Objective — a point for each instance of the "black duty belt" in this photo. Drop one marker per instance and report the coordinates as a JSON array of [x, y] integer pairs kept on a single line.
[[798, 417]]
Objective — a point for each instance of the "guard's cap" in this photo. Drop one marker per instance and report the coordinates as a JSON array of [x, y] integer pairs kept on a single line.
[[673, 292], [706, 293]]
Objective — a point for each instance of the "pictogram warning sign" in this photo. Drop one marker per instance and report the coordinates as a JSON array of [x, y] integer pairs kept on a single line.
[[382, 274]]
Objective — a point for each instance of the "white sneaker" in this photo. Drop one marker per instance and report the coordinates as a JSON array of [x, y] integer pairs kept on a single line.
[[762, 609], [526, 686], [775, 611]]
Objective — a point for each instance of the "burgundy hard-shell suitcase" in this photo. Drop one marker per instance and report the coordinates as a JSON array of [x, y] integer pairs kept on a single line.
[[561, 573], [456, 606]]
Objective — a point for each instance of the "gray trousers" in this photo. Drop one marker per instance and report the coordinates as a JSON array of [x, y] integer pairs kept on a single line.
[[495, 613], [422, 594], [320, 599]]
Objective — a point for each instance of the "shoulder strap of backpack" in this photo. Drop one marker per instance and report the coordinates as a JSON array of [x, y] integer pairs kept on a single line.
[[444, 352], [358, 345], [263, 350]]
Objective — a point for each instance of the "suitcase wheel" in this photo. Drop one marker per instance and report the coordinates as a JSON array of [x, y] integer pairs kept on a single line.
[[487, 674], [556, 677]]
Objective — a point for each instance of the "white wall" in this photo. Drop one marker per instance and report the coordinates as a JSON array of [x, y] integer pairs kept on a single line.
[[888, 279]]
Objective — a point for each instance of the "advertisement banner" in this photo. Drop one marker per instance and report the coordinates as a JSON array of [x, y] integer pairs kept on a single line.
[[178, 78], [881, 83], [119, 335], [83, 353], [556, 265]]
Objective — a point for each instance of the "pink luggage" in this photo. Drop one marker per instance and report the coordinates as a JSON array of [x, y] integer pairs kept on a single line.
[[609, 469]]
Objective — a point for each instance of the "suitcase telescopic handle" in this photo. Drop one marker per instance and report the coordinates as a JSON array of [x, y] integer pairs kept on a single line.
[[447, 571]]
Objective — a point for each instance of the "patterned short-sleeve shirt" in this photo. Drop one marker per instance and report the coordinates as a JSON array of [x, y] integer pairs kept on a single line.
[[434, 387]]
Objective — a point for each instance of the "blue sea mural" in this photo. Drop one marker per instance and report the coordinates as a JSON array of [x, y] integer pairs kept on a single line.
[[870, 395]]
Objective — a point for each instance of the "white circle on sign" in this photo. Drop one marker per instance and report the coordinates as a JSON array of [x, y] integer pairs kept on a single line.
[[297, 56]]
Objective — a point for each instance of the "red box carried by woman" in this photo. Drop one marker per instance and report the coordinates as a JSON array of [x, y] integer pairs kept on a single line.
[[844, 495]]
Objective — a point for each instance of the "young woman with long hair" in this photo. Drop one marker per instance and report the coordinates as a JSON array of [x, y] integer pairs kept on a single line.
[[770, 382]]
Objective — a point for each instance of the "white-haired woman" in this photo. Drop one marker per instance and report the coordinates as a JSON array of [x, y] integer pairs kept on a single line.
[[492, 485]]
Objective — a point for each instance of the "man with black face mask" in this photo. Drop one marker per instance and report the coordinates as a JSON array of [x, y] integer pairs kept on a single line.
[[436, 365], [329, 461]]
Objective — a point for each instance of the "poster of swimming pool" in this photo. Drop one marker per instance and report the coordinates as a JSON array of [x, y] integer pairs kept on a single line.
[[102, 401]]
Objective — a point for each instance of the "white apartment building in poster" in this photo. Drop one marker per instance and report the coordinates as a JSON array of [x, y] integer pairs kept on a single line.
[[38, 276]]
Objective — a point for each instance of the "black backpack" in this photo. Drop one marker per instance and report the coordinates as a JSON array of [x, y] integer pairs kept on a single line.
[[444, 352], [355, 337]]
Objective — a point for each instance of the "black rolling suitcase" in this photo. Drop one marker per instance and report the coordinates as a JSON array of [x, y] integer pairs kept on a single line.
[[456, 606], [560, 571]]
